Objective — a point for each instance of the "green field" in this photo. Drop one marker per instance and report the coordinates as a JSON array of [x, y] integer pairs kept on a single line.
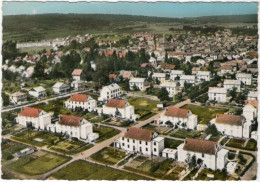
[[81, 170], [171, 143], [182, 133], [109, 155], [35, 165], [105, 132], [205, 114]]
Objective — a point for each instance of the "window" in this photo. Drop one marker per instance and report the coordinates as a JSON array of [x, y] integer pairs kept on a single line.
[[154, 143], [128, 146], [140, 142], [154, 149], [127, 140], [146, 143], [133, 141], [146, 149], [123, 138], [123, 144], [202, 155]]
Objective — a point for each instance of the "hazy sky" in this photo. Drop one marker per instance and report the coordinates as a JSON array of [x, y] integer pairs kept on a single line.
[[163, 9]]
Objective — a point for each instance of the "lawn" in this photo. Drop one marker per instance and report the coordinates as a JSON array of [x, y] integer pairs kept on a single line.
[[205, 114], [171, 143], [35, 165], [109, 155], [236, 143], [144, 107], [182, 133], [218, 175], [70, 147], [191, 174], [82, 170], [8, 148], [47, 138], [105, 132]]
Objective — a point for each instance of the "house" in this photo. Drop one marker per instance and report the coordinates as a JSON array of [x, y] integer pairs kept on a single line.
[[159, 76], [187, 79], [230, 84], [37, 92], [250, 110], [126, 74], [78, 85], [178, 117], [138, 82], [171, 87], [119, 109], [232, 125], [37, 117], [195, 70], [77, 74], [112, 77], [205, 152], [167, 67], [110, 91], [169, 153], [153, 62], [137, 140], [252, 95], [82, 101], [245, 78], [203, 75], [226, 69], [217, 94], [60, 88], [74, 126], [18, 97], [176, 73], [29, 71]]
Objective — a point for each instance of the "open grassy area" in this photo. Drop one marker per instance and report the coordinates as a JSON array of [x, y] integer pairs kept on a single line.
[[105, 132], [171, 143], [205, 114], [34, 165], [236, 143], [70, 147], [218, 175], [109, 155], [182, 133], [82, 170], [8, 148]]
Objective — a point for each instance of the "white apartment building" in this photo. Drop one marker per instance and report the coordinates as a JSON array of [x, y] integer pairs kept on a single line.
[[230, 84], [74, 126], [119, 108], [232, 125], [208, 153], [109, 92], [137, 140], [245, 78], [37, 92], [37, 117], [252, 95], [188, 79], [176, 73], [203, 76], [159, 76], [82, 101], [138, 82], [182, 118], [217, 94], [250, 110], [171, 87], [60, 88]]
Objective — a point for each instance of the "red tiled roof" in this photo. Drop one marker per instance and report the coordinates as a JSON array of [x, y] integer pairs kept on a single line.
[[139, 134], [252, 102], [201, 146], [112, 76], [116, 103], [126, 74], [77, 72], [48, 53], [226, 67], [70, 120], [168, 66], [177, 112], [79, 98], [30, 112], [143, 65], [229, 119]]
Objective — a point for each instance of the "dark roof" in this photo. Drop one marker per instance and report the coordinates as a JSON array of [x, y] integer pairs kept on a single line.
[[201, 146], [229, 119], [139, 134], [70, 120], [177, 112]]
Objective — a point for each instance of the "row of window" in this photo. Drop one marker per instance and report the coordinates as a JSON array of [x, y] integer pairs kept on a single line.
[[140, 149], [140, 142]]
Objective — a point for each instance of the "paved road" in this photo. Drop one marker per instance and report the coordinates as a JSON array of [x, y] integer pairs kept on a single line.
[[42, 101]]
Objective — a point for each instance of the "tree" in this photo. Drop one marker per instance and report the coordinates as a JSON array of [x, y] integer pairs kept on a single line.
[[212, 129], [163, 94], [169, 124], [29, 127], [39, 70], [5, 98]]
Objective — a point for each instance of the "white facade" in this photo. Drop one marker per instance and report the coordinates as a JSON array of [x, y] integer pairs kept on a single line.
[[188, 79], [230, 84], [37, 117], [249, 112], [82, 101], [37, 92], [175, 73], [214, 159], [169, 153], [110, 91], [252, 95], [141, 141], [138, 82], [244, 78], [203, 75], [171, 87], [183, 118], [160, 76], [217, 94], [18, 97], [60, 88]]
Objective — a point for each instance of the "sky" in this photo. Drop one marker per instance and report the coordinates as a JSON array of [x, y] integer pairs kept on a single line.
[[161, 9]]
